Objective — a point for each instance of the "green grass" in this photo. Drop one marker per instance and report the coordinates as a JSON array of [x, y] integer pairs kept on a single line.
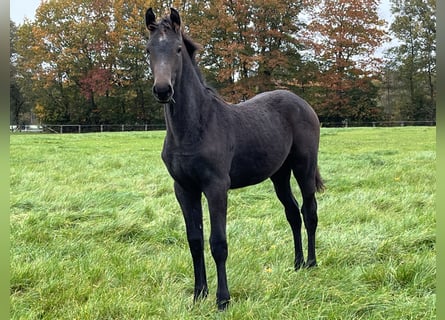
[[96, 233]]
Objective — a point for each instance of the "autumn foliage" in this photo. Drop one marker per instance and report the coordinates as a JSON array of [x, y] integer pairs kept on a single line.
[[84, 61]]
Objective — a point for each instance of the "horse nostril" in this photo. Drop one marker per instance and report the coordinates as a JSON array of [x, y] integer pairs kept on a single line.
[[163, 92]]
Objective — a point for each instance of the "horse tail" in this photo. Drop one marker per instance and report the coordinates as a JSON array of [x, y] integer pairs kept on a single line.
[[319, 184]]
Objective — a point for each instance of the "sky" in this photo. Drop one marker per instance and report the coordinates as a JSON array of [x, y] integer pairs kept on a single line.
[[19, 9]]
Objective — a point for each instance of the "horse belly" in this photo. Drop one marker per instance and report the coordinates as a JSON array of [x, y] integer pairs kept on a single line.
[[255, 167], [260, 150]]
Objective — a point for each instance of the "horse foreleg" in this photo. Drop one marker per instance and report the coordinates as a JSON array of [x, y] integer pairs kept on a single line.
[[190, 202], [217, 200]]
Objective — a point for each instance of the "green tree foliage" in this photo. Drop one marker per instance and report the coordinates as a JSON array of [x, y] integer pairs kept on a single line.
[[411, 68], [20, 108]]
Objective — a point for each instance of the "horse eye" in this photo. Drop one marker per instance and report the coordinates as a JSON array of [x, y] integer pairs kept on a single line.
[[179, 50]]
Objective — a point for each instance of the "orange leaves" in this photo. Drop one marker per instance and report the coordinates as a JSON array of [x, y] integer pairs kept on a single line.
[[244, 41], [345, 25], [343, 35], [85, 48], [77, 54]]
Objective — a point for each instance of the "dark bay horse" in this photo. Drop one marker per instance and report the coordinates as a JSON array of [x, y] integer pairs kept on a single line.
[[212, 146]]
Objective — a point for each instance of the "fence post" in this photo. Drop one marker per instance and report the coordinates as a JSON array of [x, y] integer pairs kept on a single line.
[[123, 127], [101, 128], [61, 128], [80, 130]]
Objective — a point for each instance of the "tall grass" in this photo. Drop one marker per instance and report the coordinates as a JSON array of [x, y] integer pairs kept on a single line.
[[96, 233]]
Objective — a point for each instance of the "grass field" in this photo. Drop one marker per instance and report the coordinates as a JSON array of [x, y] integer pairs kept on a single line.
[[96, 233]]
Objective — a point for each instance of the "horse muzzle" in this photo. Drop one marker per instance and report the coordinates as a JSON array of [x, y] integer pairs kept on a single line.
[[163, 92]]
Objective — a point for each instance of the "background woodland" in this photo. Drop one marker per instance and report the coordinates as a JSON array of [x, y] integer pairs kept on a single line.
[[84, 61]]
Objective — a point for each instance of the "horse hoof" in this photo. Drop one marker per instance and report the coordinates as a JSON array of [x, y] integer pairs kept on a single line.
[[299, 265], [223, 305], [310, 264], [200, 295]]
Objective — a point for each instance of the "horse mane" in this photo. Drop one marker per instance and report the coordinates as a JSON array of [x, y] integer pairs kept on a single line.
[[192, 48]]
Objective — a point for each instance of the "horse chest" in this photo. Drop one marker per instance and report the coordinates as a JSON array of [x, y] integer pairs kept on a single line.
[[188, 166]]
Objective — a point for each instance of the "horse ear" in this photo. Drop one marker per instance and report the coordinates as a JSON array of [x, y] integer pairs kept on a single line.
[[176, 20], [150, 20]]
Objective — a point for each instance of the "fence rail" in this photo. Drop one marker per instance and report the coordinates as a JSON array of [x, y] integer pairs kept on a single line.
[[78, 128], [399, 123], [86, 128], [81, 128]]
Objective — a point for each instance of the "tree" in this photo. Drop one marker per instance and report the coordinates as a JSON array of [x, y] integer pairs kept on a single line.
[[85, 62], [414, 59], [343, 36], [19, 108], [248, 46]]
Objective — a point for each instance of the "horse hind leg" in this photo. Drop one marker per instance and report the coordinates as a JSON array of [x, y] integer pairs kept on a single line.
[[309, 181], [310, 218], [281, 182]]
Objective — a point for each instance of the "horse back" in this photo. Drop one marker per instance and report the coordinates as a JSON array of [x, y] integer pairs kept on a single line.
[[284, 112], [286, 104]]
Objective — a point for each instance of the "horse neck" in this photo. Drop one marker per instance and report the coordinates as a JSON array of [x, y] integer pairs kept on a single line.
[[188, 112]]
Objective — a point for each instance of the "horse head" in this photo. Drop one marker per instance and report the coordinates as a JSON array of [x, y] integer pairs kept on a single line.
[[165, 53]]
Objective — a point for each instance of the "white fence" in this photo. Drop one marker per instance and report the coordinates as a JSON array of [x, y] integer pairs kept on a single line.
[[81, 128], [401, 123]]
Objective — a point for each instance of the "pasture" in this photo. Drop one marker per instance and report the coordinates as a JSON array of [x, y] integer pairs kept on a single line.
[[96, 233]]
